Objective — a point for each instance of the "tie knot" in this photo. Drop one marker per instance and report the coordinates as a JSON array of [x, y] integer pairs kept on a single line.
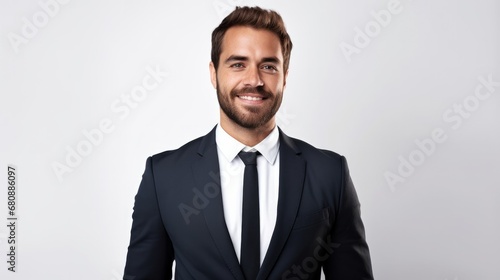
[[249, 158]]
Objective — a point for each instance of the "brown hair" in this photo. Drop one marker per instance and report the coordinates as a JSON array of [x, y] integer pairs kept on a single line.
[[257, 18]]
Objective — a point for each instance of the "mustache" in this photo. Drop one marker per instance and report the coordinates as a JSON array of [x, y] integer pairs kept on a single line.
[[258, 90]]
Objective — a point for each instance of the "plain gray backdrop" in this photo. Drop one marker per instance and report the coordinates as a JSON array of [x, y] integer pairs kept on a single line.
[[408, 91]]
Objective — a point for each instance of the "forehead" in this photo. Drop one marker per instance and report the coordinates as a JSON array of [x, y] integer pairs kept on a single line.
[[243, 40]]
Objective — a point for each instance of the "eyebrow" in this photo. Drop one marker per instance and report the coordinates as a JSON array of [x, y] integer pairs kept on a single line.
[[232, 58], [236, 58], [271, 59]]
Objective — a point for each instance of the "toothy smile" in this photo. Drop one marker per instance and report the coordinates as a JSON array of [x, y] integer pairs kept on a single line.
[[252, 98]]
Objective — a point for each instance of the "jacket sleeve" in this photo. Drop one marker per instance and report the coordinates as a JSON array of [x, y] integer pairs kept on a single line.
[[351, 258], [150, 253]]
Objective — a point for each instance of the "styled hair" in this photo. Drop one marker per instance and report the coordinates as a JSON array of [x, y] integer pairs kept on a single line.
[[257, 18]]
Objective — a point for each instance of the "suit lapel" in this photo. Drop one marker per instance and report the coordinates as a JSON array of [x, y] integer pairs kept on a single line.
[[206, 172], [292, 173]]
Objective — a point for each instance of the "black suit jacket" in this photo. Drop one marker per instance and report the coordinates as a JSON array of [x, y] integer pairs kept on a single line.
[[178, 215]]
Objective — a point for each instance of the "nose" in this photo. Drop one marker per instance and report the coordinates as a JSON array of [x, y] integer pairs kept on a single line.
[[252, 78]]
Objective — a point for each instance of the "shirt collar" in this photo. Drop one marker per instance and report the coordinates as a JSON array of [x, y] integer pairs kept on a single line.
[[230, 147]]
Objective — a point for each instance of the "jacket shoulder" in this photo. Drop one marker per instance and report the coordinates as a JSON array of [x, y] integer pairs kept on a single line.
[[310, 151], [178, 157]]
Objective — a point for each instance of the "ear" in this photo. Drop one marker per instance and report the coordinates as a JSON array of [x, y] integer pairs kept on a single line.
[[284, 79], [213, 74]]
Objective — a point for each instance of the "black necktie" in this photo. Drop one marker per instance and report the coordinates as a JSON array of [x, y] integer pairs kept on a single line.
[[250, 229]]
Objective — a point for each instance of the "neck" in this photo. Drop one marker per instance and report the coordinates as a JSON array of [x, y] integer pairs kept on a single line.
[[247, 136]]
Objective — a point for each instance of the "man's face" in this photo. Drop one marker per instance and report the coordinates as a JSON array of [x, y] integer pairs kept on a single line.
[[250, 78]]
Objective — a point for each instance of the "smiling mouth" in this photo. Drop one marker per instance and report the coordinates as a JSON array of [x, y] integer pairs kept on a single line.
[[251, 98]]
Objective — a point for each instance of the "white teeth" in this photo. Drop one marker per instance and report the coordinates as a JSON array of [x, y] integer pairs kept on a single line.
[[250, 97]]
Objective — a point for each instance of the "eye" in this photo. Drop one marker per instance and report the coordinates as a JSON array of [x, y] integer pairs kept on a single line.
[[269, 68], [237, 65]]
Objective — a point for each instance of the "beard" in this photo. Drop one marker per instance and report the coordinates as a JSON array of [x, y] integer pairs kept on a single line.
[[250, 117]]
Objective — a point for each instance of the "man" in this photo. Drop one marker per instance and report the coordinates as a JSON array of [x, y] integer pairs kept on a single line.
[[281, 209]]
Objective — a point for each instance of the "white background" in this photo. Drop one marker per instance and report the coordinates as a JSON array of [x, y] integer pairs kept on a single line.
[[440, 222]]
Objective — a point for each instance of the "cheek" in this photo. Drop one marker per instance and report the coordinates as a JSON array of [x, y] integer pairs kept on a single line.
[[227, 81], [275, 84]]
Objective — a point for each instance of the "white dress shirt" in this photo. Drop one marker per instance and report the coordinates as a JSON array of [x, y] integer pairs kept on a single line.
[[231, 172]]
